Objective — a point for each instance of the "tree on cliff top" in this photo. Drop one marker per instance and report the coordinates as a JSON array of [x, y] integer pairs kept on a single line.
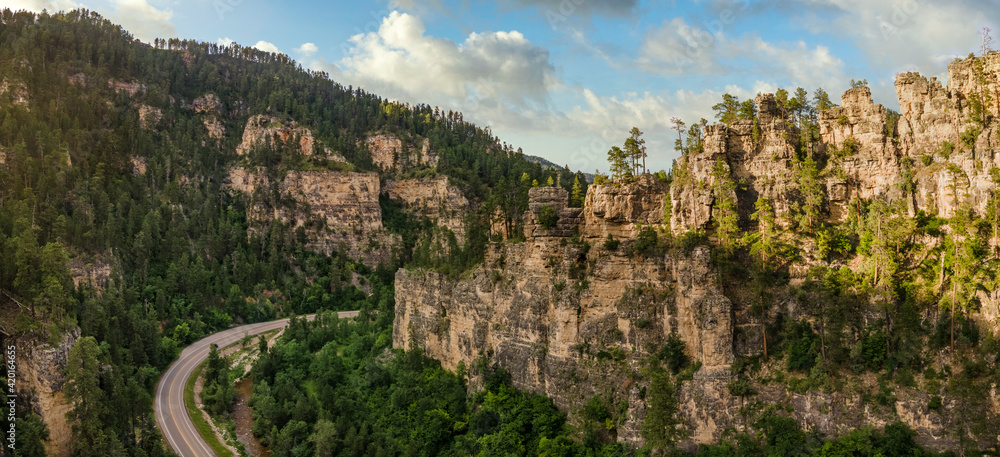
[[728, 110]]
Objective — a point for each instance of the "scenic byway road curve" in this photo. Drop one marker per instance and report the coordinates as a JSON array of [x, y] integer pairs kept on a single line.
[[171, 415]]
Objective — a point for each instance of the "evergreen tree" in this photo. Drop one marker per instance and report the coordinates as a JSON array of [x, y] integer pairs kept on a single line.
[[576, 194], [724, 211], [728, 110], [83, 391], [811, 189], [621, 169], [661, 427], [765, 241]]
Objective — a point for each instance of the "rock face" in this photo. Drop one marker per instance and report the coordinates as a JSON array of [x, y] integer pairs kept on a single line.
[[433, 198], [149, 116], [570, 321], [13, 92], [619, 211], [261, 129], [390, 153], [40, 379], [867, 152], [215, 128], [130, 88], [209, 104], [337, 210]]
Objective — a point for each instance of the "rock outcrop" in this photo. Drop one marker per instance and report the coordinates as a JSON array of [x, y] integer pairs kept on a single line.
[[868, 152], [130, 88], [149, 116], [261, 130], [572, 319], [209, 104], [339, 211], [40, 379], [13, 92], [433, 198], [390, 153], [575, 320], [620, 210]]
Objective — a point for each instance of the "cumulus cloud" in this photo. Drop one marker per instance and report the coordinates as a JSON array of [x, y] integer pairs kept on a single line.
[[910, 35], [267, 47], [307, 49], [143, 20], [679, 48], [224, 42], [489, 67], [37, 6]]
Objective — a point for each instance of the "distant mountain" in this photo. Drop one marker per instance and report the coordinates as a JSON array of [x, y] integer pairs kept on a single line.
[[548, 165]]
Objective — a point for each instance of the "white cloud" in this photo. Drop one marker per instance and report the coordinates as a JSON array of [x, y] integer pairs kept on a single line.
[[677, 47], [37, 6], [267, 47], [487, 68], [143, 20], [899, 35], [224, 42], [307, 49]]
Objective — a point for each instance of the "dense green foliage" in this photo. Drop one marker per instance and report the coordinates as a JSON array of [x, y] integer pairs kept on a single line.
[[334, 387]]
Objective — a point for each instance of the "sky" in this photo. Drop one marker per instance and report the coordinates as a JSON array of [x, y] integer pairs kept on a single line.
[[567, 79]]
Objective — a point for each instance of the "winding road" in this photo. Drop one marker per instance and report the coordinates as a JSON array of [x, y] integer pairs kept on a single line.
[[171, 415]]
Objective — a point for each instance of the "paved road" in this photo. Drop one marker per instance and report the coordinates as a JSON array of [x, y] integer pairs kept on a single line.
[[171, 415]]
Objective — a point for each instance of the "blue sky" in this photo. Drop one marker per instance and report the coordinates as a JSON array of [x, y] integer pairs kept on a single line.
[[567, 79]]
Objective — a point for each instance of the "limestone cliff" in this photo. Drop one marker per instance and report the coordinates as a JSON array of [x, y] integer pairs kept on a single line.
[[40, 380], [261, 130], [337, 210], [390, 153], [869, 154], [434, 198], [574, 319]]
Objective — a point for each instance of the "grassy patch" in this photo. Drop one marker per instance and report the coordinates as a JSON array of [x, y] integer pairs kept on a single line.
[[204, 428]]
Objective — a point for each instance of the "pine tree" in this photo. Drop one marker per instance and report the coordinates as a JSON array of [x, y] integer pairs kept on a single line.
[[660, 428], [83, 391], [576, 194], [811, 189], [724, 208], [765, 241], [621, 170], [635, 150], [727, 111]]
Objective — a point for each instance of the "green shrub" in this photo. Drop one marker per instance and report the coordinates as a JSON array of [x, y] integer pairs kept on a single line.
[[690, 240], [969, 136], [803, 347], [611, 244], [673, 354], [935, 403], [646, 243], [548, 218], [946, 149]]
